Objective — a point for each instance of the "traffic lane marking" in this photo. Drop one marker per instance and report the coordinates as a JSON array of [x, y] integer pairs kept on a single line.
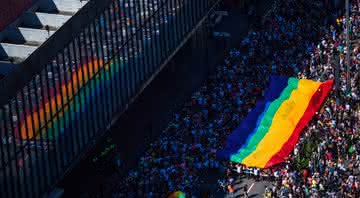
[[252, 185]]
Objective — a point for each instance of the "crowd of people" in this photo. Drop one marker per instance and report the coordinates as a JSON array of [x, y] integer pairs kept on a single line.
[[292, 40], [333, 135]]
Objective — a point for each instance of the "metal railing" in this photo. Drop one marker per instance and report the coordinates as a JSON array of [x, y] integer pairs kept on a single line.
[[51, 120]]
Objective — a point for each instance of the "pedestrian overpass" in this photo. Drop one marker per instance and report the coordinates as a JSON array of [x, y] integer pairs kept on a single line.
[[69, 68]]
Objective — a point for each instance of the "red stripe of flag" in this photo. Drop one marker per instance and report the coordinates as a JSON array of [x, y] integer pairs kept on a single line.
[[314, 104]]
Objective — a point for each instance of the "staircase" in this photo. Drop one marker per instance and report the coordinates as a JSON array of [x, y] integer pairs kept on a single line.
[[34, 27]]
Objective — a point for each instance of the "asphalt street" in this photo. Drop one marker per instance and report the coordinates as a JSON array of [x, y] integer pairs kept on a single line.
[[254, 188]]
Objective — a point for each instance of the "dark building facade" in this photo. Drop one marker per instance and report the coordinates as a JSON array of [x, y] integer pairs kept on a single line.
[[10, 10], [68, 91]]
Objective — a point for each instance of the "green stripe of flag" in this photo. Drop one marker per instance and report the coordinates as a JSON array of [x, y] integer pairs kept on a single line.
[[266, 122]]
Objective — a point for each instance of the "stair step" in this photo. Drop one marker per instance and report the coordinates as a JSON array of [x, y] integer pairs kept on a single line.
[[16, 51], [35, 35]]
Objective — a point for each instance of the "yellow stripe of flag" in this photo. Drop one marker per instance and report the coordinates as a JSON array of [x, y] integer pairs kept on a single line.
[[283, 123]]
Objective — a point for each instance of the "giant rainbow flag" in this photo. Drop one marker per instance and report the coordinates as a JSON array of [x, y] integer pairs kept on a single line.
[[270, 131]]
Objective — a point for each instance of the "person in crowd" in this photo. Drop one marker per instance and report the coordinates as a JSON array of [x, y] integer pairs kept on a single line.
[[245, 188]]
